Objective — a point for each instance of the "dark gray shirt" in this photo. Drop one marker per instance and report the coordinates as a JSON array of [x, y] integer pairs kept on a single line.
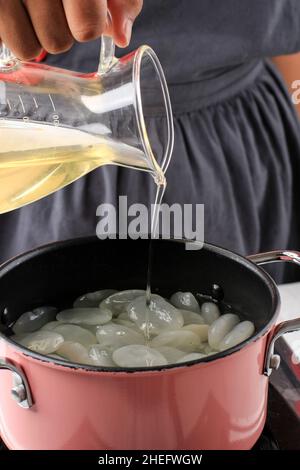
[[196, 38]]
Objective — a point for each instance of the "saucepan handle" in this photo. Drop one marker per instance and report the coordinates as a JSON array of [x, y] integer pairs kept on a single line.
[[20, 391], [272, 361]]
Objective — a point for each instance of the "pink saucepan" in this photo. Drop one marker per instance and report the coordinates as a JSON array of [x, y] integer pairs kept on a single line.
[[218, 402]]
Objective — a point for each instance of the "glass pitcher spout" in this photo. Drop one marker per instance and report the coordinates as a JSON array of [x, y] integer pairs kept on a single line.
[[57, 125]]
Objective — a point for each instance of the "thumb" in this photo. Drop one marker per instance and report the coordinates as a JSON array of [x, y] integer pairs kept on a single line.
[[123, 13]]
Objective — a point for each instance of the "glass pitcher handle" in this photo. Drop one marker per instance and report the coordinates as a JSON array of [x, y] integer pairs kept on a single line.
[[107, 51], [107, 54], [6, 57]]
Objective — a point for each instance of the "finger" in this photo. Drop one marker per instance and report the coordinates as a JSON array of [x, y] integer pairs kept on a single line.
[[86, 18], [123, 13], [50, 24], [16, 30]]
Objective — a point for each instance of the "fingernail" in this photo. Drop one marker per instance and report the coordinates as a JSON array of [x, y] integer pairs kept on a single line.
[[127, 30]]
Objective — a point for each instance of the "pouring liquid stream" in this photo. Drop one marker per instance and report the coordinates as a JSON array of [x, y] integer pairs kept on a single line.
[[161, 184]]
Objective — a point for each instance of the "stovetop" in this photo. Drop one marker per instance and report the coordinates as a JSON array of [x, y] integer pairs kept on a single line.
[[284, 401]]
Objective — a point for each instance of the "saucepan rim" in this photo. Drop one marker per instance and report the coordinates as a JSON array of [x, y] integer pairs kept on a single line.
[[264, 276]]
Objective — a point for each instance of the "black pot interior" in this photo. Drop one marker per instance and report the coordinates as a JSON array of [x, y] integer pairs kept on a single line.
[[57, 274]]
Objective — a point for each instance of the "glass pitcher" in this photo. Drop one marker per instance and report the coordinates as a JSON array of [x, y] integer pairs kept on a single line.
[[57, 125]]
